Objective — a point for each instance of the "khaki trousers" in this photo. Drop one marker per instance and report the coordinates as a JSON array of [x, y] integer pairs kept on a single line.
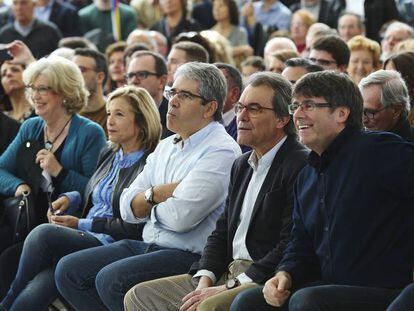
[[167, 293]]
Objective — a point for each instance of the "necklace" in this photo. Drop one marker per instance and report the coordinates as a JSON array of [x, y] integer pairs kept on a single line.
[[48, 143]]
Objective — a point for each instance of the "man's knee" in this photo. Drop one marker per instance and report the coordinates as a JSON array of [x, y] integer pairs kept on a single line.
[[305, 299], [250, 299]]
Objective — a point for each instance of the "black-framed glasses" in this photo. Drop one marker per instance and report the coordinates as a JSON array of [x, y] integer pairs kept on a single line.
[[322, 62], [84, 69], [307, 106], [141, 74], [183, 95], [253, 109], [370, 114], [41, 90]]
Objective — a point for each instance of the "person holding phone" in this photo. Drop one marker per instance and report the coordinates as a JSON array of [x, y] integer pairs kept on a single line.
[[134, 130], [58, 144]]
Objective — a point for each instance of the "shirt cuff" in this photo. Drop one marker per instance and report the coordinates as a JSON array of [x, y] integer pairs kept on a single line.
[[207, 273], [125, 207], [74, 201], [244, 279], [85, 224]]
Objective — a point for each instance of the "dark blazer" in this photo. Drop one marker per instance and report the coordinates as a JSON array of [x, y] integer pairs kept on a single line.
[[377, 12], [8, 131], [65, 16], [271, 221], [163, 109], [42, 40]]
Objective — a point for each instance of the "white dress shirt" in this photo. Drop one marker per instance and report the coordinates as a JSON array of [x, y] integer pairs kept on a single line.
[[202, 164]]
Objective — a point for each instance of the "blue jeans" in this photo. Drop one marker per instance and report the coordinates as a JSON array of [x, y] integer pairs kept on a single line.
[[251, 300], [33, 287], [322, 298], [98, 278], [405, 301]]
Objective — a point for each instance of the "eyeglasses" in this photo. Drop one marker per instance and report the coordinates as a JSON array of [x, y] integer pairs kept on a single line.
[[141, 75], [322, 62], [182, 95], [370, 114], [86, 69], [307, 106], [253, 109], [41, 90]]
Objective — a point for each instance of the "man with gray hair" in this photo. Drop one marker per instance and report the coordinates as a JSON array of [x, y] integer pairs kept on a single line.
[[252, 233], [395, 33], [178, 197], [386, 103]]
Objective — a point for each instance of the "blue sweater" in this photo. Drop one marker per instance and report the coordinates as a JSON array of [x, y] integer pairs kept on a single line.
[[79, 156], [353, 217]]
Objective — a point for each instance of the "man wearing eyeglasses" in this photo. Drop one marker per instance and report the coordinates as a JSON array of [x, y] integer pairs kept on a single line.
[[253, 231], [351, 245], [386, 103], [148, 70], [331, 53], [178, 198], [94, 70]]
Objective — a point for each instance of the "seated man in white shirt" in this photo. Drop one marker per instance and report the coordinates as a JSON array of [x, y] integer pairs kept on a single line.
[[179, 196], [254, 229]]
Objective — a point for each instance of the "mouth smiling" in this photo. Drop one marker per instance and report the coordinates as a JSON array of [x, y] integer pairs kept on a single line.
[[303, 126]]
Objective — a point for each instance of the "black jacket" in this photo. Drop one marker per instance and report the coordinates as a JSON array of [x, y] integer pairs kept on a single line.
[[271, 221], [63, 15], [8, 130], [114, 226], [403, 129], [42, 40], [377, 12]]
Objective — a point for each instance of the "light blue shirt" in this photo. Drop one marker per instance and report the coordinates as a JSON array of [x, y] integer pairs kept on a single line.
[[202, 164], [43, 12], [102, 195], [278, 15]]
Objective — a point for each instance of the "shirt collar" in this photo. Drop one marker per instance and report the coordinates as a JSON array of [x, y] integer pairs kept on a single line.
[[195, 138], [266, 160], [46, 7], [128, 159], [24, 31], [228, 117], [274, 7], [322, 161]]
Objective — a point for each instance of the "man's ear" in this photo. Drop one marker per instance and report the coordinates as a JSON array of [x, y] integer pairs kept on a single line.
[[211, 109], [342, 114], [343, 68], [397, 111], [163, 81], [234, 94], [100, 77], [282, 121]]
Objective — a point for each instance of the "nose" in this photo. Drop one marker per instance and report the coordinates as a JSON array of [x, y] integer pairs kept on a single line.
[[299, 113], [174, 101], [243, 115]]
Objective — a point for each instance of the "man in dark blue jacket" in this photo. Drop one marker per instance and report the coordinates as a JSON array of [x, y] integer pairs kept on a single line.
[[351, 246]]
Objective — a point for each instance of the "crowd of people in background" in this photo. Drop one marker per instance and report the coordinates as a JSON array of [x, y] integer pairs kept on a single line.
[[208, 154]]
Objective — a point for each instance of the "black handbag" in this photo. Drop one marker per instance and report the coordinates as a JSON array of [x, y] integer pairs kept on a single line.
[[19, 213]]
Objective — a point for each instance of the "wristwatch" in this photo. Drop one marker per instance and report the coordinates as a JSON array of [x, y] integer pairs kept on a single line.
[[149, 195], [232, 283]]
